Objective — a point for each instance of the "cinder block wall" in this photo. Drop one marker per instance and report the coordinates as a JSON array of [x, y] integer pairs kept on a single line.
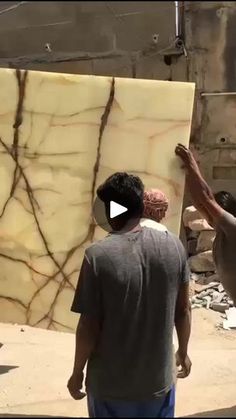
[[210, 33], [133, 39]]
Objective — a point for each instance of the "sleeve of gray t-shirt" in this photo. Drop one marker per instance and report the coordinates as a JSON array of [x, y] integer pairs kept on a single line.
[[87, 299], [227, 223]]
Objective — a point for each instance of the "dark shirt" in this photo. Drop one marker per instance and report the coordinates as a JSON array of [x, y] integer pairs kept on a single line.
[[130, 283]]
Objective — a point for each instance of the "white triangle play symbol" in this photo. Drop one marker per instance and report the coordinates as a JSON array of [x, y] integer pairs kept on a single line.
[[116, 209]]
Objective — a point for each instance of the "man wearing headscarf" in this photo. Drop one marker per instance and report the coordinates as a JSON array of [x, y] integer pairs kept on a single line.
[[155, 207]]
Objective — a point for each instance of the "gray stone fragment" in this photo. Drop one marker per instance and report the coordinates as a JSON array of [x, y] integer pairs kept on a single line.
[[217, 297], [196, 306], [221, 307], [221, 288], [207, 300]]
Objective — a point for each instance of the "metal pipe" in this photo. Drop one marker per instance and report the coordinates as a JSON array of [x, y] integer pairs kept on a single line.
[[177, 34], [219, 94]]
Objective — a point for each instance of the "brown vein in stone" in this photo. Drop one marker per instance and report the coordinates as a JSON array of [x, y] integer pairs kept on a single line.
[[91, 229], [32, 201], [44, 137], [37, 155], [22, 204], [18, 260], [41, 189], [103, 124], [61, 325], [21, 82], [166, 131], [68, 256], [71, 124], [25, 146], [13, 300], [159, 120], [70, 115], [61, 286], [18, 118], [175, 186]]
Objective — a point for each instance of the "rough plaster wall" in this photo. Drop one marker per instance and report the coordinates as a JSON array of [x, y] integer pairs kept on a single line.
[[101, 38], [211, 45]]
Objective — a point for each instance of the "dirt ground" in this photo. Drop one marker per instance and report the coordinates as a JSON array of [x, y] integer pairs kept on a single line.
[[35, 365]]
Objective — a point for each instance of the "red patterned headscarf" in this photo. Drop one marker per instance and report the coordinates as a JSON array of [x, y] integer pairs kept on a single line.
[[155, 204]]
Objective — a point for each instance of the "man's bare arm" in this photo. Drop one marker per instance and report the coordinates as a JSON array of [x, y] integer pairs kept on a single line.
[[202, 196], [87, 334], [183, 329]]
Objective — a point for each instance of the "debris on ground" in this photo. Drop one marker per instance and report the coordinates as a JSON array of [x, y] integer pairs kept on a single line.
[[230, 322], [211, 296]]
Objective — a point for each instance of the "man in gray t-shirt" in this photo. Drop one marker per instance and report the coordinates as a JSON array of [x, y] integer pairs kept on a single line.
[[220, 211], [132, 290]]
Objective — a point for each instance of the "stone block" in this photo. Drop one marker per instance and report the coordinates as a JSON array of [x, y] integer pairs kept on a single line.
[[221, 307], [203, 262], [217, 297], [205, 240], [199, 287], [212, 278], [69, 133], [190, 214], [199, 225]]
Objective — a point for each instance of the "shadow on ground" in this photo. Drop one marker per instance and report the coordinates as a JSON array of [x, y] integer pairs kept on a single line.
[[229, 412], [4, 369]]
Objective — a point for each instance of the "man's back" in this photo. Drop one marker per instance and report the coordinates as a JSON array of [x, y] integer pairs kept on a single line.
[[224, 251], [137, 276]]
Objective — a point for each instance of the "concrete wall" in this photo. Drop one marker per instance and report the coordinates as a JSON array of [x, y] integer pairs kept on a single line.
[[136, 39], [211, 44], [103, 38]]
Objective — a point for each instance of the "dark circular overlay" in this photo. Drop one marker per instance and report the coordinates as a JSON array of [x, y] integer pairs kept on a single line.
[[99, 215]]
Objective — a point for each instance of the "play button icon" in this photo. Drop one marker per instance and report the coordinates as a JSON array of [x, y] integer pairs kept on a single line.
[[116, 209]]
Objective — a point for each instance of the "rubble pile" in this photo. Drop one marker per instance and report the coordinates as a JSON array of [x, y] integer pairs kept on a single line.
[[206, 290], [211, 296]]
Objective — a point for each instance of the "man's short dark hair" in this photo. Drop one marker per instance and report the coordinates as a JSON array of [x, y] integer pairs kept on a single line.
[[227, 201], [126, 190]]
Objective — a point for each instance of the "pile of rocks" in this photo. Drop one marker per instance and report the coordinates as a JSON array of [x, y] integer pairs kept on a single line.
[[206, 290], [211, 296]]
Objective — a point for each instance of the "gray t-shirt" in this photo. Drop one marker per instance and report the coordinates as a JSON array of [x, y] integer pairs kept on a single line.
[[224, 252], [130, 283]]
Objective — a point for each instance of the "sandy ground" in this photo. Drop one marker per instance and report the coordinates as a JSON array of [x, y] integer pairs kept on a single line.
[[35, 365]]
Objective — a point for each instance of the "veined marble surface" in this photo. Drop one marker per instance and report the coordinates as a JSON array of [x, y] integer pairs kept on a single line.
[[60, 136]]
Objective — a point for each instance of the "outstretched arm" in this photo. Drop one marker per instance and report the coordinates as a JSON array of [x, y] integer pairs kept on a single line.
[[202, 196]]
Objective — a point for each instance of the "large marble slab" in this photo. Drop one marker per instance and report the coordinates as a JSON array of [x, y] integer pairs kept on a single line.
[[60, 136]]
